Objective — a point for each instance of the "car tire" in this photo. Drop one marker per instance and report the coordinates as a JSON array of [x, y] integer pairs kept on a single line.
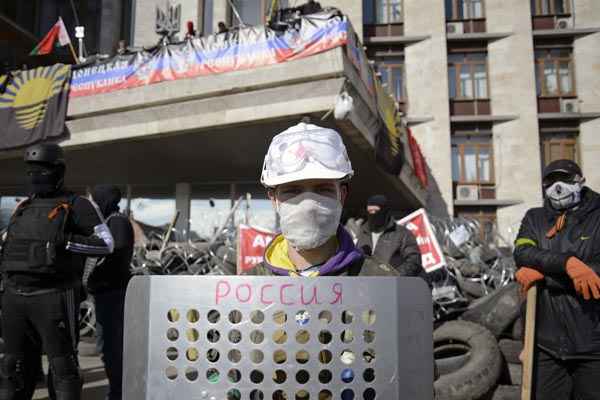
[[479, 375], [497, 311]]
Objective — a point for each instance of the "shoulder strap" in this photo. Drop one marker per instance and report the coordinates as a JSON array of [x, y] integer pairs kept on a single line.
[[20, 205]]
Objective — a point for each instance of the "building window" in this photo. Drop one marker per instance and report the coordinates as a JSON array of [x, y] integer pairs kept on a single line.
[[550, 7], [555, 72], [558, 146], [472, 161], [461, 10], [392, 75], [382, 12], [253, 12], [467, 76], [485, 217], [388, 11]]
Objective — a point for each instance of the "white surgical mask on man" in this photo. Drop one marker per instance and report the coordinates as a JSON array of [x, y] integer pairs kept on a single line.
[[309, 219]]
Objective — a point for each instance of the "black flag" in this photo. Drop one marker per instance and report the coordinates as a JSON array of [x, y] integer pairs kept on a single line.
[[33, 105]]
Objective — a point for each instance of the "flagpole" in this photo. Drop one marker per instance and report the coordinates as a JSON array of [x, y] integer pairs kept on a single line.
[[73, 52]]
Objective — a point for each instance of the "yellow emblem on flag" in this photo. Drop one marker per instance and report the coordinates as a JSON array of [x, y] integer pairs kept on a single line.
[[30, 91]]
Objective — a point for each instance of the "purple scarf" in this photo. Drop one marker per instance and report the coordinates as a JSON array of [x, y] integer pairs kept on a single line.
[[347, 254]]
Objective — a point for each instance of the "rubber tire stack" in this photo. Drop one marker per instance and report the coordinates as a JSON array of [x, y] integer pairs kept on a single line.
[[479, 366]]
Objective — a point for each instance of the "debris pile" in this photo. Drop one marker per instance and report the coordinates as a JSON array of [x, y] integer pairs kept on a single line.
[[478, 332]]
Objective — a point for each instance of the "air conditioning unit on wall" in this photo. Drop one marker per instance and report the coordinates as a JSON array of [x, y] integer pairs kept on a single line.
[[569, 105], [467, 192], [563, 23], [455, 27]]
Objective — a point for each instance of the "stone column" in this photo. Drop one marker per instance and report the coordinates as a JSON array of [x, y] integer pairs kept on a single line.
[[220, 13], [427, 90], [512, 86], [587, 76], [183, 196]]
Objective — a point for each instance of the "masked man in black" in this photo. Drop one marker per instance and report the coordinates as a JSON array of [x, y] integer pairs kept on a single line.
[[49, 235], [107, 282], [558, 247], [382, 238]]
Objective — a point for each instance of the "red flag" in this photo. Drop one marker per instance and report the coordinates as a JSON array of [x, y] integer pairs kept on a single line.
[[59, 32], [419, 162]]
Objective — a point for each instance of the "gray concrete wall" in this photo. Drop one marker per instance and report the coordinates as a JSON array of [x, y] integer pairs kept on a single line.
[[587, 73], [351, 8], [201, 114], [145, 11], [512, 87], [427, 88]]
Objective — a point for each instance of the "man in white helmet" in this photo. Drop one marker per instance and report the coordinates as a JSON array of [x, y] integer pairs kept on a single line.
[[306, 171]]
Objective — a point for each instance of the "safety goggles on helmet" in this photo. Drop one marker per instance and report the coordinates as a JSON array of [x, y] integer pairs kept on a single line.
[[305, 151]]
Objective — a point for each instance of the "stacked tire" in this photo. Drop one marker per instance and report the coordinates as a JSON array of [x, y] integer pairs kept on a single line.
[[477, 357], [468, 361]]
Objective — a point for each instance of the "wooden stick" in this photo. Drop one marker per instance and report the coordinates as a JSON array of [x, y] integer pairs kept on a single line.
[[169, 230], [529, 345], [73, 52]]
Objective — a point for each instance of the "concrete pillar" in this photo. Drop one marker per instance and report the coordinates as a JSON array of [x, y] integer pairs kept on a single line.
[[427, 89], [587, 67], [110, 22], [351, 8], [145, 11], [513, 92], [183, 196], [220, 13]]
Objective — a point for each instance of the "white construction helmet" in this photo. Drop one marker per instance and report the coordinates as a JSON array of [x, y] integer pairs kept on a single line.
[[305, 151]]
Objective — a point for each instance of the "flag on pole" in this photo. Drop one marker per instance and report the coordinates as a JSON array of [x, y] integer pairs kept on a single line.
[[59, 32], [33, 105]]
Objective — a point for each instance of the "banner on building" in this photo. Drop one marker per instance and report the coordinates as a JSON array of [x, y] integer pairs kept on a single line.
[[388, 147], [252, 243], [238, 49], [419, 162], [33, 105], [389, 152], [432, 257], [356, 54]]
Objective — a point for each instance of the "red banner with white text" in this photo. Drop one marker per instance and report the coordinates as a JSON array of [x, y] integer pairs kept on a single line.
[[432, 257], [252, 243]]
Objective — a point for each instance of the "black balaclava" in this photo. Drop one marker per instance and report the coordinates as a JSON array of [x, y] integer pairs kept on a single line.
[[107, 197], [378, 220], [45, 180]]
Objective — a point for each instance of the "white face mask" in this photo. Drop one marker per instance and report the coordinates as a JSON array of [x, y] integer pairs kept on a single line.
[[308, 220], [564, 195]]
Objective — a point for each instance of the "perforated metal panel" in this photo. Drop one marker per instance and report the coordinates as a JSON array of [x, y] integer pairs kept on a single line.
[[233, 338]]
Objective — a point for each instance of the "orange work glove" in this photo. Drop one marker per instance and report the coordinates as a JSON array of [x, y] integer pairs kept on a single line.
[[584, 278], [527, 277]]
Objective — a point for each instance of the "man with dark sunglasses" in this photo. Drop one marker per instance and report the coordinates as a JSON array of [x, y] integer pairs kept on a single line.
[[558, 247]]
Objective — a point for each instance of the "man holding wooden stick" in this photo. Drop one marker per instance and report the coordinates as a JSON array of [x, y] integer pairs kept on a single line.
[[558, 248]]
